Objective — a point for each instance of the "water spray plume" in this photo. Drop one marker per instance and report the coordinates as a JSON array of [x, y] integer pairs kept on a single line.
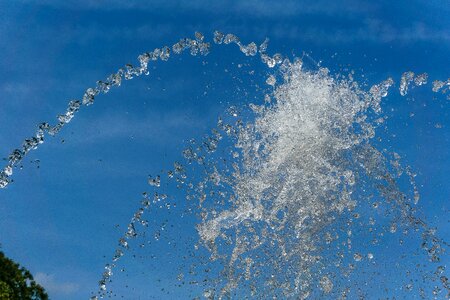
[[289, 189]]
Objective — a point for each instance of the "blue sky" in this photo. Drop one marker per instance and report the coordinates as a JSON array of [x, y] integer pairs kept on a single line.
[[59, 220]]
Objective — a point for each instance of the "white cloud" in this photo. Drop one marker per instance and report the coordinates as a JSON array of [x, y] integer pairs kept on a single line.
[[53, 286]]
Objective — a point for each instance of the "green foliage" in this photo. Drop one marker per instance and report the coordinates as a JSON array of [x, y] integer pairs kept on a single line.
[[16, 282]]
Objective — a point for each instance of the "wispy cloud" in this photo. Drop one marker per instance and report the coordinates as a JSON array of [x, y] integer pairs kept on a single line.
[[54, 286], [295, 20], [262, 8], [161, 128], [371, 30]]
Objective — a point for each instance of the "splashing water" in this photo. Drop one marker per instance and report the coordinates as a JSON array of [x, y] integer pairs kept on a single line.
[[304, 165], [291, 196]]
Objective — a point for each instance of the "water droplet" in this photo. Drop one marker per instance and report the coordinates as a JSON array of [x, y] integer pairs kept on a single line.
[[421, 79], [326, 284], [250, 50], [439, 85], [271, 80], [357, 257], [8, 170], [154, 181], [165, 53], [218, 37], [405, 80], [393, 228], [89, 96], [199, 36], [230, 38]]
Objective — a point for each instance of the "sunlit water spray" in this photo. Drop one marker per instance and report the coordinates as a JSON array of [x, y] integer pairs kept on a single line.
[[292, 189]]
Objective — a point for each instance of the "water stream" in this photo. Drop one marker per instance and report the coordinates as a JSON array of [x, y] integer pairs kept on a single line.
[[295, 195]]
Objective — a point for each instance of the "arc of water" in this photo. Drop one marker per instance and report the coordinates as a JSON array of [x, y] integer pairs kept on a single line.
[[196, 46]]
